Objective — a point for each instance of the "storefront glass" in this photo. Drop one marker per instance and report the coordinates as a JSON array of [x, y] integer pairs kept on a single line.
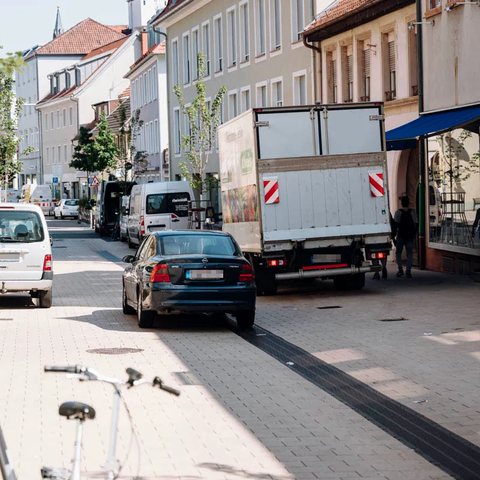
[[454, 189]]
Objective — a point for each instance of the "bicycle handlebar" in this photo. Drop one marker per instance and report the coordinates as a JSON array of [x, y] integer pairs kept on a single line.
[[74, 369]]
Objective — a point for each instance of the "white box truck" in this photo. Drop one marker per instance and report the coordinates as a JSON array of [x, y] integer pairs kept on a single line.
[[304, 191]]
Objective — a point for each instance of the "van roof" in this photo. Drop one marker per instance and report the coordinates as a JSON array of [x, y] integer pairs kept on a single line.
[[160, 187]]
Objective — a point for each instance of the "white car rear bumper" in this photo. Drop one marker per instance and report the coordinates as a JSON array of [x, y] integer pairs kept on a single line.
[[25, 286]]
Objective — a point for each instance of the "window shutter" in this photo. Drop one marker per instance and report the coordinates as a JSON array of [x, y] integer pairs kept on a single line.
[[391, 56], [366, 63], [350, 68]]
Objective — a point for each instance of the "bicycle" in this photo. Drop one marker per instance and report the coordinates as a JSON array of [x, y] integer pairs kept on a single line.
[[82, 412], [115, 235]]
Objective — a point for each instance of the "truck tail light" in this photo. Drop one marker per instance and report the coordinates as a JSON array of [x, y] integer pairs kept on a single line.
[[47, 263], [142, 225], [376, 255], [246, 274], [160, 274], [277, 262]]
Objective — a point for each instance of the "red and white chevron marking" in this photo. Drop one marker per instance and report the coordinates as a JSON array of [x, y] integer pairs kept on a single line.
[[270, 185], [376, 184]]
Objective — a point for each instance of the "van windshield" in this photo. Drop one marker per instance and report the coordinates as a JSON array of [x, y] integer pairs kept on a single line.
[[176, 203], [20, 227]]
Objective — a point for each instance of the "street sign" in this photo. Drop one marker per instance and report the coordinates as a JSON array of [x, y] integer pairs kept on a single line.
[[94, 182], [55, 180]]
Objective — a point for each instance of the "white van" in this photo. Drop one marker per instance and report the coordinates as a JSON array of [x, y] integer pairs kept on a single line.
[[157, 206], [40, 195], [25, 252]]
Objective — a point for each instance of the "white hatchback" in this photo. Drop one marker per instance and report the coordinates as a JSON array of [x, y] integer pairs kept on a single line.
[[66, 208], [25, 252]]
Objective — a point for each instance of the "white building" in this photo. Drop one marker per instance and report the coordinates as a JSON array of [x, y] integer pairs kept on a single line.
[[148, 87], [33, 84]]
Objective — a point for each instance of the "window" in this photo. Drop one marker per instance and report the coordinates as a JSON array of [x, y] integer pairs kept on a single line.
[[64, 117], [363, 56], [195, 52], [232, 36], [413, 62], [389, 66], [331, 77], [59, 154], [47, 155], [52, 126], [186, 58], [245, 97], [175, 66], [275, 25], [347, 71], [433, 4], [217, 24], [154, 83], [65, 155], [206, 46], [300, 88], [53, 155], [145, 89], [58, 118], [156, 132], [297, 20], [244, 33], [46, 121], [148, 77], [152, 139], [232, 104], [260, 28], [71, 116], [30, 106], [262, 94], [187, 131], [277, 92], [176, 130]]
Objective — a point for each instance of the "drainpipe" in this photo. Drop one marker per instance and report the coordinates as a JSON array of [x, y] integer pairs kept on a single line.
[[422, 243], [314, 49]]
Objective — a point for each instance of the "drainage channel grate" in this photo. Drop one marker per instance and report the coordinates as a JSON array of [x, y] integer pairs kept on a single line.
[[114, 351], [400, 319], [109, 256], [450, 452], [329, 307]]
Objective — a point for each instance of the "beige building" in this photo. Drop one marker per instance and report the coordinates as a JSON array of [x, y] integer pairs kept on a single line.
[[368, 53], [252, 47]]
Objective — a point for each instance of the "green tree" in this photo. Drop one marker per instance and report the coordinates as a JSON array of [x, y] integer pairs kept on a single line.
[[203, 121], [12, 63], [97, 154], [10, 109]]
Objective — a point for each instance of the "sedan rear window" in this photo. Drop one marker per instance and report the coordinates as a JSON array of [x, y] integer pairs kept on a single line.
[[20, 227], [197, 245]]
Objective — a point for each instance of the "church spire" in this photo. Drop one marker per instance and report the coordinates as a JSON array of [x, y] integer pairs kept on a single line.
[[58, 24]]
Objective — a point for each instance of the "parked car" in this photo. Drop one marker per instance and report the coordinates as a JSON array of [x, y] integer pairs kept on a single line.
[[157, 206], [66, 208], [189, 271], [25, 252]]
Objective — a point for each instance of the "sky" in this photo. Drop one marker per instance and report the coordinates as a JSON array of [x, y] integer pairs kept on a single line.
[[25, 23]]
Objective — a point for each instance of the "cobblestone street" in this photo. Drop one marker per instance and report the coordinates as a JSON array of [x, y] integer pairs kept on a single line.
[[242, 413]]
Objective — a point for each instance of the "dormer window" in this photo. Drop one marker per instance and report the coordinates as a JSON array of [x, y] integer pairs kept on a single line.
[[52, 86], [67, 80], [57, 83], [78, 77]]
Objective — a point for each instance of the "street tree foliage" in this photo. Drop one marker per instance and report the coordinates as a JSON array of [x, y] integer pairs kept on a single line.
[[10, 110], [12, 63], [457, 164], [203, 121], [130, 161], [96, 154]]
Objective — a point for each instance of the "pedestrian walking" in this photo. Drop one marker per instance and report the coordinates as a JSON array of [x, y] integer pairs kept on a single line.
[[406, 222]]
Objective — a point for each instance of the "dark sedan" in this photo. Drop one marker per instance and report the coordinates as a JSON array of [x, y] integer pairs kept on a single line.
[[189, 271]]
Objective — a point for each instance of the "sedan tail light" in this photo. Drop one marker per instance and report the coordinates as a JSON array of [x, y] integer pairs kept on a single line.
[[160, 273], [47, 263], [246, 274]]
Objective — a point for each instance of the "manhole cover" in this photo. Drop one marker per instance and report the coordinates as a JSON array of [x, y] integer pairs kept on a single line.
[[329, 306], [114, 351], [401, 319]]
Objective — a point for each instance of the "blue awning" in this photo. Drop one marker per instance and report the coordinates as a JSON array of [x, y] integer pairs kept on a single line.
[[405, 136]]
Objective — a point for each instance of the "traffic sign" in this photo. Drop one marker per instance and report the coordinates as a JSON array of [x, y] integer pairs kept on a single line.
[[55, 180], [94, 182]]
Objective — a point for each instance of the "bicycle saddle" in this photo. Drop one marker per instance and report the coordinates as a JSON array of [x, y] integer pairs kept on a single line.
[[76, 410]]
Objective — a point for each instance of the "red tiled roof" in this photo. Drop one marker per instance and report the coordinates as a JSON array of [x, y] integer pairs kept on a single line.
[[337, 12], [171, 5], [125, 93], [105, 48], [119, 28], [81, 39], [155, 50]]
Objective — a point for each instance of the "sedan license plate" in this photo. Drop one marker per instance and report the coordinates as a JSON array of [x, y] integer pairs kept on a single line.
[[204, 274]]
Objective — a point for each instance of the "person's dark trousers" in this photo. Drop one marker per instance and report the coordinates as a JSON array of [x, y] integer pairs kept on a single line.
[[408, 244]]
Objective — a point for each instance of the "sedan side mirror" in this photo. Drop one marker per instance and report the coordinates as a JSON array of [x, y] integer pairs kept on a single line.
[[128, 258]]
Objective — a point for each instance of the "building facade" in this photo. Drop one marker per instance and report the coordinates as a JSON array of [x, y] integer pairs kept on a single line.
[[148, 87], [254, 48]]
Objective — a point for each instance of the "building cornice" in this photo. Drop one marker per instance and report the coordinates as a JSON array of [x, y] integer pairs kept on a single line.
[[177, 14]]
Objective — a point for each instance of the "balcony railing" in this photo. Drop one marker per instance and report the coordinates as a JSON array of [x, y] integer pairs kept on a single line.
[[391, 95], [348, 100]]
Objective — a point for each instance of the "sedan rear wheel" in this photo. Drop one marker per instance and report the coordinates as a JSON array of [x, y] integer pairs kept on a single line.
[[245, 319], [127, 309], [145, 318]]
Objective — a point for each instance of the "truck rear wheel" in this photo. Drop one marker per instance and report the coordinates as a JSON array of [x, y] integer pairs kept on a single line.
[[350, 282]]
